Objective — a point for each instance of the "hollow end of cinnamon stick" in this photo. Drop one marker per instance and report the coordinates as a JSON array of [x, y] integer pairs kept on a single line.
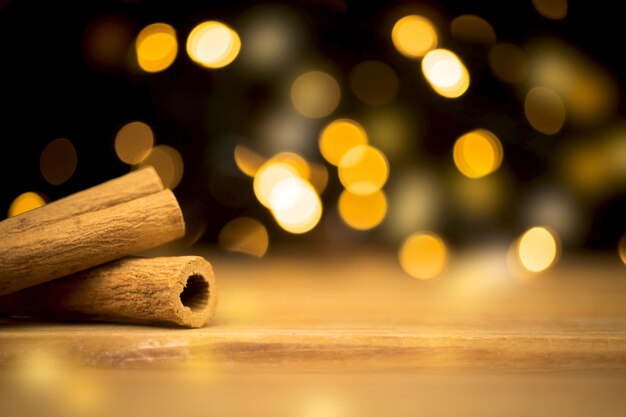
[[178, 291], [194, 294]]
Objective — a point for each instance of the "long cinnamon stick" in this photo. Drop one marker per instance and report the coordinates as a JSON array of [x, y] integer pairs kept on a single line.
[[55, 249], [128, 187], [170, 290]]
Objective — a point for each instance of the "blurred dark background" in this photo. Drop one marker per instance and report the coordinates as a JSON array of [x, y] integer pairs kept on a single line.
[[52, 87]]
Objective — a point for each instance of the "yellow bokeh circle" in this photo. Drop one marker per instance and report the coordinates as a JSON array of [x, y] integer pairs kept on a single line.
[[477, 153], [362, 212], [363, 170], [423, 255]]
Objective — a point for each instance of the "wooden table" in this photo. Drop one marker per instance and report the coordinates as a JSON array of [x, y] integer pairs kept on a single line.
[[308, 335]]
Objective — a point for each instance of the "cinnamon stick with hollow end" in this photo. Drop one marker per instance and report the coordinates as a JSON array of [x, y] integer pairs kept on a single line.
[[59, 248], [128, 187], [171, 290]]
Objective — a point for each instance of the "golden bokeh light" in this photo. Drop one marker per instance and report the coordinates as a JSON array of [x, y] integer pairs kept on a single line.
[[244, 235], [596, 166], [133, 142], [315, 94], [415, 202], [479, 198], [621, 248], [414, 35], [392, 129], [477, 153], [295, 205], [446, 73], [362, 212], [239, 306], [586, 169], [323, 403], [509, 63], [168, 164], [555, 209], [83, 393], [25, 202], [271, 35], [374, 82], [544, 110], [247, 160], [268, 176], [363, 170], [319, 177], [555, 65], [472, 28], [615, 154], [551, 9], [107, 40], [213, 44], [39, 369], [58, 160], [338, 137], [156, 47], [592, 98], [423, 255], [295, 161], [589, 91], [285, 129], [538, 249]]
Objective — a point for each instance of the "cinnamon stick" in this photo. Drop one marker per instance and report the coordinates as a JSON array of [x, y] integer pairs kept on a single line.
[[128, 187], [169, 290], [53, 249]]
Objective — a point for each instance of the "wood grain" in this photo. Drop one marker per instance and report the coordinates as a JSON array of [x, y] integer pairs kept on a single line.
[[60, 248], [362, 313], [326, 349], [349, 334]]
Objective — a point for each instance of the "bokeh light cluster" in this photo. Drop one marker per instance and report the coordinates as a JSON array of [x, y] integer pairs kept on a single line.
[[211, 44], [433, 129], [134, 146], [156, 47]]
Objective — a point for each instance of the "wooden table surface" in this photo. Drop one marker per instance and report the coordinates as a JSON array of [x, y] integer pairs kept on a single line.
[[496, 343]]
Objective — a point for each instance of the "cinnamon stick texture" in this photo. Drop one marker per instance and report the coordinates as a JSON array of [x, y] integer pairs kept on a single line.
[[58, 248], [128, 187], [170, 290]]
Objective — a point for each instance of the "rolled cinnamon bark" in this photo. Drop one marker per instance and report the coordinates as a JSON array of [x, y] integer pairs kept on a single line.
[[128, 187], [58, 248], [169, 290]]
